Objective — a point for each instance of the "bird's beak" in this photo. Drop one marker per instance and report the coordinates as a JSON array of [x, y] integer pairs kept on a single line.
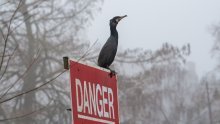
[[121, 17]]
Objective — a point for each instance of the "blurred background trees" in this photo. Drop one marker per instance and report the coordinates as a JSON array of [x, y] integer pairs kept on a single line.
[[155, 87], [41, 32]]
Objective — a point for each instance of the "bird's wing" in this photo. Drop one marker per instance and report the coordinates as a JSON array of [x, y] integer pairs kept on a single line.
[[108, 52]]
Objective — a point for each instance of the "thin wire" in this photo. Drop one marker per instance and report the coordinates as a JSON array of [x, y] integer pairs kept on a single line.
[[34, 89], [27, 114], [31, 90], [85, 54]]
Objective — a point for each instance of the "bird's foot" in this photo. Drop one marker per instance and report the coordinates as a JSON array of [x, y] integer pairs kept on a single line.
[[112, 73]]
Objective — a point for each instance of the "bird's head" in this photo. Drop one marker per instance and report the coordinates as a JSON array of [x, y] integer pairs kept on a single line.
[[114, 21]]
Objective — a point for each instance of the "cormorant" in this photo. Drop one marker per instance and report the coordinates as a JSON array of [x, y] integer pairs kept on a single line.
[[108, 51]]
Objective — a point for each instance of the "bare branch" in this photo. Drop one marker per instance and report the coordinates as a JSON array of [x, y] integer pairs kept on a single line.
[[6, 55], [34, 89], [27, 18], [10, 56], [44, 83], [22, 76], [5, 3], [85, 54], [3, 36], [27, 114], [9, 30]]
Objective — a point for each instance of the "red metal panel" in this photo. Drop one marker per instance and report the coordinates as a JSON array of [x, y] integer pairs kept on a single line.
[[94, 95]]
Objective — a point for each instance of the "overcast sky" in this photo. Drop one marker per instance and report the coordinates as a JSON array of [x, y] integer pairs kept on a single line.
[[150, 23]]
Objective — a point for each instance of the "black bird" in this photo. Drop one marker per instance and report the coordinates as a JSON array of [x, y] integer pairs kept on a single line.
[[108, 51]]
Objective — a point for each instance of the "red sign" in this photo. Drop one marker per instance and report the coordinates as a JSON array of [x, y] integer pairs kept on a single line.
[[94, 95]]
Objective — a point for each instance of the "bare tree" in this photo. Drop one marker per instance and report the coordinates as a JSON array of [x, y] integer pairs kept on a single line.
[[216, 45], [36, 34], [158, 74]]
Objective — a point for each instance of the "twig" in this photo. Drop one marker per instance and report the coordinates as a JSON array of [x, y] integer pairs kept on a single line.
[[28, 11], [23, 75], [34, 89], [8, 62], [9, 28], [5, 3], [3, 36], [31, 90], [8, 55], [85, 54], [25, 13], [27, 114], [18, 25]]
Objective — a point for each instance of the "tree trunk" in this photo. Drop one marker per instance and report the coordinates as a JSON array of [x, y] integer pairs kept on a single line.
[[29, 99]]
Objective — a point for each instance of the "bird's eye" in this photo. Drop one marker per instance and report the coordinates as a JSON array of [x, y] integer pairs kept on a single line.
[[112, 21]]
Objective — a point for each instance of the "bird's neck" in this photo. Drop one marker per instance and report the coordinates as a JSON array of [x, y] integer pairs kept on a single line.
[[114, 32]]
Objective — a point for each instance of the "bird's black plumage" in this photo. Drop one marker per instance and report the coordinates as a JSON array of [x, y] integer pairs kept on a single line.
[[108, 51]]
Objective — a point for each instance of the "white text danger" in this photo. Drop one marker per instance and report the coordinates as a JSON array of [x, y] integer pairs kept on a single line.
[[94, 99]]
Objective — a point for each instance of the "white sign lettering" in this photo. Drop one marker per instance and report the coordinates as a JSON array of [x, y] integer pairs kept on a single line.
[[94, 99]]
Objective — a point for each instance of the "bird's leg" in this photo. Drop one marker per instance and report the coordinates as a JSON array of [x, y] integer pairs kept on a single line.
[[112, 72]]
